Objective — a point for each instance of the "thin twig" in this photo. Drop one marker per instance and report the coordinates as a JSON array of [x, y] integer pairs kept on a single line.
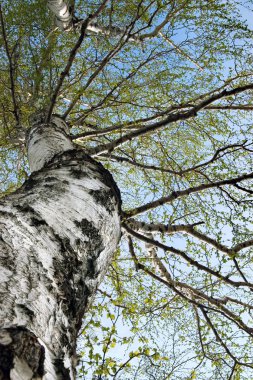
[[180, 51]]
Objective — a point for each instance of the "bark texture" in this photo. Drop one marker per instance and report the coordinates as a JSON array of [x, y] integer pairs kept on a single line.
[[58, 233], [61, 11]]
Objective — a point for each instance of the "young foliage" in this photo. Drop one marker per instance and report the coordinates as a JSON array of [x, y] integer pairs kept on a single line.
[[160, 92]]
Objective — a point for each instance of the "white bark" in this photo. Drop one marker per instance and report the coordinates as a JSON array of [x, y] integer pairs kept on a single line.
[[61, 11], [58, 234], [66, 21]]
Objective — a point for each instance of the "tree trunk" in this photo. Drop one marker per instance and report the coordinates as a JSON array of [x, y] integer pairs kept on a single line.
[[58, 234]]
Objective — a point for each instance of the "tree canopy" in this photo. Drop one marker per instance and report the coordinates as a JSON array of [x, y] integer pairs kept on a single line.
[[160, 92]]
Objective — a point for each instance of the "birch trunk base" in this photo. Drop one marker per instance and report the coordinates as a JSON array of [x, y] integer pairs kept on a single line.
[[58, 235]]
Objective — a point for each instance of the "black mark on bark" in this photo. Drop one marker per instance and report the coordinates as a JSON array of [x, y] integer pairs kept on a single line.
[[35, 221], [62, 372]]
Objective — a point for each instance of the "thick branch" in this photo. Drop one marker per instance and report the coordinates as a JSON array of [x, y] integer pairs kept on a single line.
[[193, 295], [189, 229], [232, 107], [65, 18], [181, 193], [187, 258], [173, 117]]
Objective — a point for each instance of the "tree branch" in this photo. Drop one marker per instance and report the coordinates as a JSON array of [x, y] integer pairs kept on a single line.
[[191, 294], [180, 51], [231, 107], [217, 336], [66, 71], [71, 58], [104, 62], [64, 19], [164, 22], [187, 258], [171, 118], [11, 68], [219, 153], [181, 193], [189, 229]]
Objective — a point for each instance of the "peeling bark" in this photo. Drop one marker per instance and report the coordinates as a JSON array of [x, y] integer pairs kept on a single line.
[[58, 233]]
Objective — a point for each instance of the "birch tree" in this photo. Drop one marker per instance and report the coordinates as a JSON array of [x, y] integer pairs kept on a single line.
[[126, 122]]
